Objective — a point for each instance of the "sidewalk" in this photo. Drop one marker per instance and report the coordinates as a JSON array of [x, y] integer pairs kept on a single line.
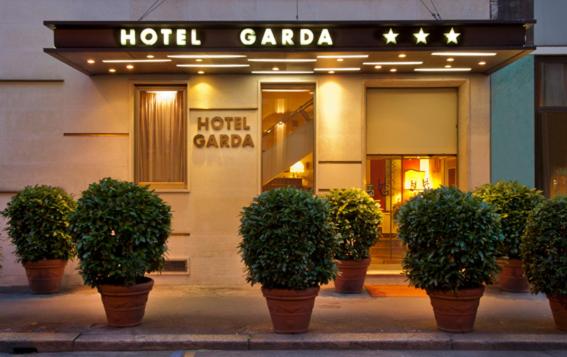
[[182, 317]]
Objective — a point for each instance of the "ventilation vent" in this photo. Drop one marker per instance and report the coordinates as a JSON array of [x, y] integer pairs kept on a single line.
[[175, 266]]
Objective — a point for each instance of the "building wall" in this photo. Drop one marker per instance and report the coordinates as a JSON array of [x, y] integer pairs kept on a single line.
[[34, 116]]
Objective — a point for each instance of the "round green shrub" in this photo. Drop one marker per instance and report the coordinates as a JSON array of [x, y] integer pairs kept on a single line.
[[452, 239], [544, 247], [38, 223], [288, 241], [120, 229], [356, 216], [513, 202]]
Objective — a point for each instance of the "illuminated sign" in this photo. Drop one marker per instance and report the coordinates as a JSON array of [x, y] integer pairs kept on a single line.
[[164, 36], [286, 37], [225, 140]]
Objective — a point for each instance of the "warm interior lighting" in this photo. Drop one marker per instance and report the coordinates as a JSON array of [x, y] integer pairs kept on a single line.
[[150, 56], [482, 63], [91, 61], [112, 70], [402, 55], [136, 61], [130, 66], [297, 168], [442, 69], [464, 54], [229, 65], [282, 72], [413, 180], [342, 56], [164, 95], [282, 60], [206, 56], [450, 59], [393, 63], [280, 105], [393, 70], [345, 69]]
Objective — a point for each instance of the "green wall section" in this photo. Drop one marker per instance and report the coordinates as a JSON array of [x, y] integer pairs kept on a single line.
[[512, 124]]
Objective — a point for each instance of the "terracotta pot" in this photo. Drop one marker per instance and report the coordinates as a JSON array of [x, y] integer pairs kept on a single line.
[[455, 311], [45, 276], [350, 278], [512, 277], [290, 310], [558, 304], [125, 305]]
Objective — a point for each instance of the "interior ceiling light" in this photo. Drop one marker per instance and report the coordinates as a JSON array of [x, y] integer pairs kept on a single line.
[[342, 56], [442, 69], [393, 63], [378, 67], [450, 59], [130, 66], [282, 72], [340, 59], [228, 65], [331, 72], [136, 61], [111, 70], [206, 56], [91, 61], [198, 60], [393, 70], [345, 69], [282, 60], [448, 66], [482, 63], [150, 56], [402, 55], [464, 54], [201, 72], [275, 68]]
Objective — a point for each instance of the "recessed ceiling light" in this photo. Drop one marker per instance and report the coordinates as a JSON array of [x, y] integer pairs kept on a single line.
[[402, 55], [482, 63], [91, 61], [136, 61], [344, 69], [228, 65], [282, 60], [393, 63], [286, 90], [111, 70], [448, 66], [340, 59], [393, 70], [150, 56], [275, 68], [282, 72], [450, 59], [464, 54], [130, 66], [331, 72], [201, 72], [378, 67], [198, 60], [342, 56], [442, 69], [206, 56]]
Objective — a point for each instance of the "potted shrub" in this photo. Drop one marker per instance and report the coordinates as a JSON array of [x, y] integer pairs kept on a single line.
[[452, 239], [544, 249], [513, 202], [120, 229], [288, 246], [356, 217], [38, 225]]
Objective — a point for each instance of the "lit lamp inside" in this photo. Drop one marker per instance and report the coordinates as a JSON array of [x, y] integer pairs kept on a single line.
[[414, 180], [297, 169]]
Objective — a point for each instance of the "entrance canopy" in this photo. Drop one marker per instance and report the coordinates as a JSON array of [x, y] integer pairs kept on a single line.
[[289, 48]]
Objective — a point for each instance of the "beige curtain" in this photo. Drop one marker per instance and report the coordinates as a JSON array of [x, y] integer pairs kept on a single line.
[[160, 139]]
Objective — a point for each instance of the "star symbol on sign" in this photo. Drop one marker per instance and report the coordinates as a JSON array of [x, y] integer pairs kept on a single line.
[[452, 36], [421, 36], [390, 36]]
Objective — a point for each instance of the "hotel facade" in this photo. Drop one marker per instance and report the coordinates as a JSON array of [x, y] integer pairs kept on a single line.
[[212, 102]]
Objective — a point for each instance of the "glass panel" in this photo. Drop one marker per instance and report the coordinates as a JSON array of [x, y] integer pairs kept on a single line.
[[392, 180], [160, 138], [553, 151], [288, 129], [553, 84]]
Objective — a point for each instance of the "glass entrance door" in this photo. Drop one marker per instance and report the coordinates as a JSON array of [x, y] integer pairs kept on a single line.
[[394, 179]]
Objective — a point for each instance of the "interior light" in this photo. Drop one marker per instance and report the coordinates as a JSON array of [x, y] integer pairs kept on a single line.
[[130, 66], [402, 55], [150, 56], [275, 68], [201, 72], [448, 66], [378, 67], [231, 65], [414, 180], [344, 69], [482, 63], [136, 61], [342, 56], [282, 60], [450, 59], [282, 72], [297, 168], [340, 59], [112, 70], [393, 63], [331, 72], [464, 54], [393, 70], [206, 56], [442, 69], [91, 61], [164, 95], [281, 123], [199, 60]]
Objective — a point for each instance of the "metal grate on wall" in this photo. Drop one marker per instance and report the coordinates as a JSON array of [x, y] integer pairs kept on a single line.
[[176, 266]]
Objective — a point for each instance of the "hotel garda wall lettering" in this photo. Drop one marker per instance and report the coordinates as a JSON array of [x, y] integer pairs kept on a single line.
[[220, 141]]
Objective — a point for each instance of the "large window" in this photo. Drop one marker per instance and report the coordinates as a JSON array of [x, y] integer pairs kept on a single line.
[[288, 130], [160, 137], [551, 125]]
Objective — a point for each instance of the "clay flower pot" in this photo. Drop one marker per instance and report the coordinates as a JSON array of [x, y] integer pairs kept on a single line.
[[350, 278], [512, 278], [455, 311], [558, 304], [45, 276], [125, 305], [290, 310]]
